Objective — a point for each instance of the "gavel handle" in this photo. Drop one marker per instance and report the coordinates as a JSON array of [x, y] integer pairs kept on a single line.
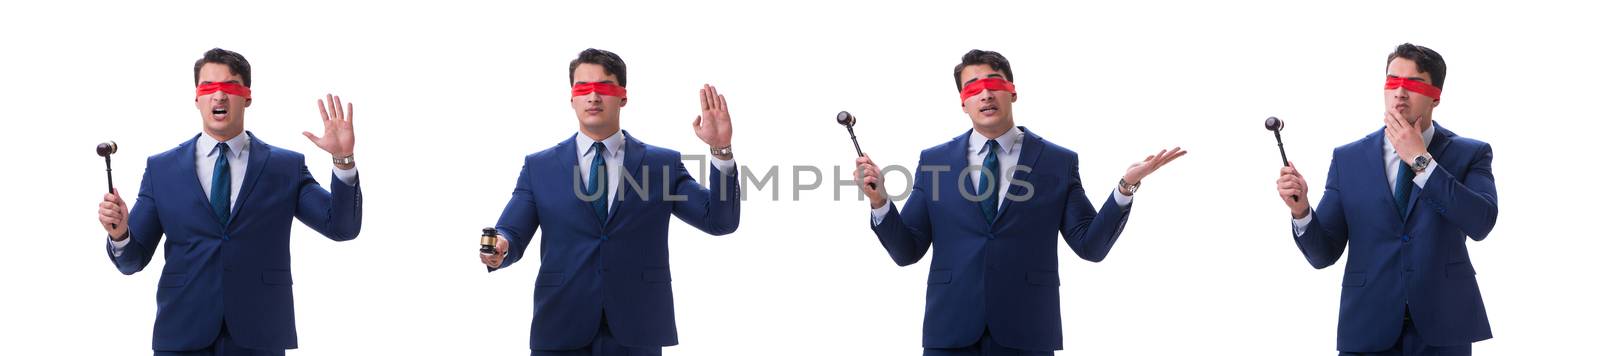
[[858, 149], [110, 189], [1285, 157]]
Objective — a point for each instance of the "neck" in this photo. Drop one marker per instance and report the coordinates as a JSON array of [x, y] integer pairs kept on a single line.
[[223, 136], [993, 132], [598, 133]]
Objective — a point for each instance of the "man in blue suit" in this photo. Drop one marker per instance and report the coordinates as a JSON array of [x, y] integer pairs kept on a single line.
[[993, 288], [604, 198], [1404, 199], [225, 201]]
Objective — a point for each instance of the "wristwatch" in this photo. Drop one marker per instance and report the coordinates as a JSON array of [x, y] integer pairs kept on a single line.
[[346, 160], [724, 151], [1420, 163], [1132, 188]]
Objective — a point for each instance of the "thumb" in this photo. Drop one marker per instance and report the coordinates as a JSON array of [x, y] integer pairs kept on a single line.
[[309, 136], [697, 121]]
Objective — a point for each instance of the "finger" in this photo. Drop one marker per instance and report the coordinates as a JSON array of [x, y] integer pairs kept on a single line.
[[722, 102], [713, 96], [323, 109], [705, 104], [338, 104], [311, 137], [350, 114], [697, 122], [332, 108]]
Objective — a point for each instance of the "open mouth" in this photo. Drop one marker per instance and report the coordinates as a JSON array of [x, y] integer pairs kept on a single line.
[[219, 112], [989, 109]]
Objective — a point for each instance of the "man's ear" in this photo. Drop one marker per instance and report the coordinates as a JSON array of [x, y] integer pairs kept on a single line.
[[1436, 103], [1013, 97], [624, 102], [247, 102]]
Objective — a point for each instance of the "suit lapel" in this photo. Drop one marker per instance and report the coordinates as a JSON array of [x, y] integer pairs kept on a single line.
[[567, 154], [1031, 145], [259, 153], [1375, 159], [186, 170], [632, 159], [955, 157], [1441, 140]]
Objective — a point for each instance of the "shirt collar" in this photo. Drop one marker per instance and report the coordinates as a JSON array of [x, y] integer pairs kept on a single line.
[[1007, 141], [237, 146], [613, 144]]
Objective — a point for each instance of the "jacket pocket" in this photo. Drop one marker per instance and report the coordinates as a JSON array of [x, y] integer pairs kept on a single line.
[[549, 279], [276, 278], [656, 275], [172, 280], [1044, 278], [939, 276], [1459, 270], [1355, 279]]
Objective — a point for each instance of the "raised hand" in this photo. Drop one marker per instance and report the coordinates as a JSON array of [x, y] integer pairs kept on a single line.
[[713, 126], [338, 134]]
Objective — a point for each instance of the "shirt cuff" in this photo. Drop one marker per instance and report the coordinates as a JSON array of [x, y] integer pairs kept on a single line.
[[1301, 223], [348, 176], [1123, 201], [118, 246], [725, 166], [1422, 178], [879, 213]]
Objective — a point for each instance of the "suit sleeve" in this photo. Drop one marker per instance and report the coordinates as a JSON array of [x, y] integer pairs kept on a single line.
[[144, 228], [1326, 235], [907, 235], [520, 219], [1091, 234], [1471, 203], [336, 215], [714, 211]]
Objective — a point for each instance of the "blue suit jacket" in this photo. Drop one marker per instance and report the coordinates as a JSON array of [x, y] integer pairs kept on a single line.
[[236, 272], [1001, 276], [617, 266], [1419, 259]]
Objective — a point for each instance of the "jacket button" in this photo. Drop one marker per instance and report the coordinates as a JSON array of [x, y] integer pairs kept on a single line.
[[1405, 238], [604, 237], [991, 236]]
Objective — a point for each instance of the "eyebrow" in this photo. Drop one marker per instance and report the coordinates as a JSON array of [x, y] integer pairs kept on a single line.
[[991, 75], [229, 81], [607, 81], [1420, 79]]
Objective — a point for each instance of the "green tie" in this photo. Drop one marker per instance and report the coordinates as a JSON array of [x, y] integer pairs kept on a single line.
[[221, 185], [597, 181], [990, 180]]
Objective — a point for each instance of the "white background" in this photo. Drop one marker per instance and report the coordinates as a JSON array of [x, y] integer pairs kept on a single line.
[[450, 97]]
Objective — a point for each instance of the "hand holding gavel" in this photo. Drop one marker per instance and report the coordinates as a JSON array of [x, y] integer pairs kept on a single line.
[[866, 171], [1291, 185], [113, 211]]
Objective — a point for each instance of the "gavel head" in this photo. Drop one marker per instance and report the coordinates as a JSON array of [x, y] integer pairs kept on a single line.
[[1274, 124], [487, 241], [105, 149], [846, 119]]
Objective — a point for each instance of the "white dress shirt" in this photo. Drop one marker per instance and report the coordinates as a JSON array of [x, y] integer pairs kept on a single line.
[[1010, 151], [1391, 167], [615, 145], [205, 163]]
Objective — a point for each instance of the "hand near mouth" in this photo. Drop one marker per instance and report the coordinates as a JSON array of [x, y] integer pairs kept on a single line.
[[338, 134]]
